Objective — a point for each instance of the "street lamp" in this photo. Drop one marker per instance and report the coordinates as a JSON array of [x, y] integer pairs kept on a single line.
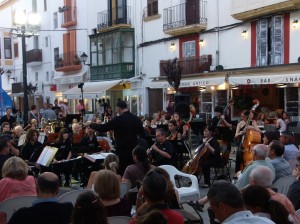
[[84, 57], [25, 28]]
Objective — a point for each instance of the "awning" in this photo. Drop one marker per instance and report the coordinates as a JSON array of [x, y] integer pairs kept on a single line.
[[71, 78], [264, 79], [5, 101], [91, 90], [201, 81]]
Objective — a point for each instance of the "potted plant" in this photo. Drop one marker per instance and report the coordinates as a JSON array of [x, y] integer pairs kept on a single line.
[[76, 60]]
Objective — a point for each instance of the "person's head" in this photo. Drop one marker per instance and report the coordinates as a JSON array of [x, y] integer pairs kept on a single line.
[[296, 171], [47, 129], [111, 162], [8, 111], [107, 185], [148, 122], [18, 131], [55, 102], [286, 137], [121, 107], [258, 199], [276, 149], [262, 116], [5, 126], [15, 168], [285, 115], [262, 176], [33, 122], [218, 111], [139, 154], [47, 185], [89, 209], [160, 134], [177, 117], [4, 147], [32, 135], [154, 216], [260, 152], [63, 135], [270, 136], [155, 187], [172, 125], [245, 114], [208, 131], [33, 107], [76, 128], [225, 199]]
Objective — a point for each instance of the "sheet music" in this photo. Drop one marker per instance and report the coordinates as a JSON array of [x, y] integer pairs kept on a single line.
[[22, 140], [42, 137], [47, 156], [98, 156]]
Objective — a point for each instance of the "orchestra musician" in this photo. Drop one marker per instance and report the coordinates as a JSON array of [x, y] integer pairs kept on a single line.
[[212, 157], [90, 140], [161, 152], [182, 128], [247, 123], [148, 129], [172, 133], [32, 148], [220, 118], [47, 131]]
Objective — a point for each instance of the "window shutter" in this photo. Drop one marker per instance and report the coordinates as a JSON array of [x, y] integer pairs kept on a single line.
[[262, 42], [277, 40]]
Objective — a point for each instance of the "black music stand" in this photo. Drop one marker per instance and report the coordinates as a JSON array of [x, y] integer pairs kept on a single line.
[[198, 127], [69, 119], [182, 152]]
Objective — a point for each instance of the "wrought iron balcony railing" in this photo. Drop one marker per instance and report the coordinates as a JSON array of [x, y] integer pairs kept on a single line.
[[119, 15], [68, 61], [34, 55]]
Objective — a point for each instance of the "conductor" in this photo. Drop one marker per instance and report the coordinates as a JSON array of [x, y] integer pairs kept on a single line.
[[127, 128]]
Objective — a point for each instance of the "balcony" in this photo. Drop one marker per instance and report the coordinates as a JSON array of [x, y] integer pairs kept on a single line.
[[115, 71], [17, 87], [67, 62], [119, 18], [34, 57], [189, 65], [185, 18], [250, 9], [68, 16]]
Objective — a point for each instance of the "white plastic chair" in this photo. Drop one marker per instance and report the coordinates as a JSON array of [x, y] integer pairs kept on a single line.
[[118, 220], [11, 205], [124, 188], [185, 193], [283, 184], [71, 196]]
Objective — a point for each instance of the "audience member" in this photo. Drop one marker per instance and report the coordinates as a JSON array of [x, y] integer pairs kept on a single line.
[[260, 153], [153, 217], [280, 124], [45, 209], [5, 126], [281, 166], [4, 153], [227, 204], [89, 210], [154, 188], [107, 186], [257, 199], [294, 190], [111, 162], [269, 136], [137, 171], [8, 117], [290, 150]]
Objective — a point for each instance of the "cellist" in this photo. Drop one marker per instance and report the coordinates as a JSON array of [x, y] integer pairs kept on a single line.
[[247, 123]]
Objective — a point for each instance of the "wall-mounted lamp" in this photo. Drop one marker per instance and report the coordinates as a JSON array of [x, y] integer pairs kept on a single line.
[[84, 57], [172, 46], [201, 42], [244, 33], [280, 85], [295, 23], [8, 72]]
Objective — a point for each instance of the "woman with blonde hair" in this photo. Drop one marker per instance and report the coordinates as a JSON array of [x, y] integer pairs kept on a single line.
[[107, 186], [111, 162]]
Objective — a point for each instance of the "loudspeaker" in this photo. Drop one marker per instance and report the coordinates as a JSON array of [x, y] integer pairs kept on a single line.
[[182, 103]]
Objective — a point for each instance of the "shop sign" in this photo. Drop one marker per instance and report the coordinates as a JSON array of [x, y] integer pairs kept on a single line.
[[53, 88]]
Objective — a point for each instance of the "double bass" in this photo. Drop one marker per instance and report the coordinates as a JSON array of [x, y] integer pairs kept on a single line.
[[193, 166]]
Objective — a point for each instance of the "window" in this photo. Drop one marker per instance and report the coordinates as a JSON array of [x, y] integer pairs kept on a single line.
[[34, 6], [189, 49], [46, 41], [36, 76], [45, 5], [35, 42], [270, 41], [55, 20], [16, 50], [47, 76], [152, 7], [7, 48]]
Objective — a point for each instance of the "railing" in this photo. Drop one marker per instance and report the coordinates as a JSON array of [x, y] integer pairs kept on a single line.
[[69, 16], [122, 15], [116, 71], [67, 59], [185, 14], [189, 65], [34, 55]]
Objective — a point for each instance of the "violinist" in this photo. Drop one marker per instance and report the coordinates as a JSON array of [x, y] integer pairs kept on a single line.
[[212, 157], [182, 128], [149, 131], [161, 152], [220, 119], [172, 133]]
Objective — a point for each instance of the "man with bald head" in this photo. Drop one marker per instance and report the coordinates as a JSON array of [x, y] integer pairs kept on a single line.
[[46, 208], [260, 153]]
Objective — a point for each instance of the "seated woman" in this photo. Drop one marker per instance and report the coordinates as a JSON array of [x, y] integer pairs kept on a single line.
[[89, 209], [171, 197], [182, 128], [15, 181], [258, 200], [286, 118], [111, 162], [32, 148], [262, 119], [64, 153], [280, 124], [172, 133], [136, 172], [107, 186]]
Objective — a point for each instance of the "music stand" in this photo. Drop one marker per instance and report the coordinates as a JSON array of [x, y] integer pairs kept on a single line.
[[69, 119], [181, 150]]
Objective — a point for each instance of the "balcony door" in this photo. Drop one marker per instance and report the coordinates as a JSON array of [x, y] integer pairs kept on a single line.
[[117, 12], [192, 9]]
